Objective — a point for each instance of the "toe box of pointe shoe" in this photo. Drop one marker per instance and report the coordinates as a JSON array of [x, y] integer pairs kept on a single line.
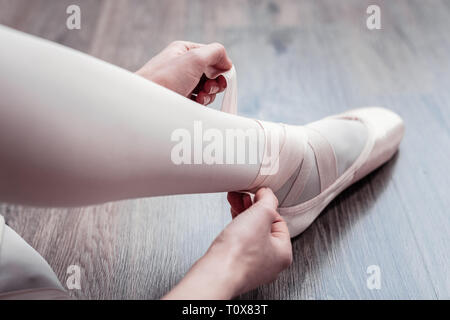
[[387, 129]]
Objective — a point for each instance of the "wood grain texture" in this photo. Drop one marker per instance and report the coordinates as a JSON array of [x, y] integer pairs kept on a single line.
[[297, 61]]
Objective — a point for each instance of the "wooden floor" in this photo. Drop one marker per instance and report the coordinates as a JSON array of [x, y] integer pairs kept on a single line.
[[297, 61]]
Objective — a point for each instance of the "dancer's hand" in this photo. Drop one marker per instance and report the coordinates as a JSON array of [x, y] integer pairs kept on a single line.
[[252, 250], [190, 69]]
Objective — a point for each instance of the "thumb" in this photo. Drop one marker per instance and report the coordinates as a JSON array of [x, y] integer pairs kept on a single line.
[[264, 196], [263, 211], [214, 59], [279, 228]]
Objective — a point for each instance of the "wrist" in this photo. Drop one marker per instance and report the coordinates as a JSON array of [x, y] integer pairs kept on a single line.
[[214, 277], [222, 271]]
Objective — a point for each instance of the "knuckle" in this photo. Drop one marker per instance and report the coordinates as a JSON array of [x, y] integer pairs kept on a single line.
[[176, 43], [196, 57], [266, 208], [218, 45], [220, 49], [270, 211], [273, 213]]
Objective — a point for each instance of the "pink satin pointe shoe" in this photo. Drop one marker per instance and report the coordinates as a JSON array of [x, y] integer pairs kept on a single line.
[[384, 130]]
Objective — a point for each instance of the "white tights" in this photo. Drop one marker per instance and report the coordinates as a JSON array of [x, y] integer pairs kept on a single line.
[[80, 131], [75, 130]]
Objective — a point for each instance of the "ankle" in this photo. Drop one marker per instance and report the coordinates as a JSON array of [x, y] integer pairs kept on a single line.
[[283, 152]]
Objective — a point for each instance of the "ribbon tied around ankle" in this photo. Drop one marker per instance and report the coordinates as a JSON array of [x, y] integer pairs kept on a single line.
[[283, 164]]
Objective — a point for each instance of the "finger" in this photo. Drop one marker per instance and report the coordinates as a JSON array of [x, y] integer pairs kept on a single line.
[[265, 196], [263, 211], [213, 97], [214, 58], [211, 86], [280, 229], [193, 97], [222, 83], [234, 213], [187, 45], [200, 85], [247, 200], [239, 202], [236, 200], [204, 98]]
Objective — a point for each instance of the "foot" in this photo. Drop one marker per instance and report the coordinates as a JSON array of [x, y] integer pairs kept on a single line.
[[346, 137], [319, 160]]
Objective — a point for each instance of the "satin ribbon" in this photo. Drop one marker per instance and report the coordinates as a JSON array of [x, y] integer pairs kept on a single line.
[[288, 159], [229, 102]]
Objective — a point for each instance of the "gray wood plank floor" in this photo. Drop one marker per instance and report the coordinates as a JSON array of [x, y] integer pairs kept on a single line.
[[297, 61]]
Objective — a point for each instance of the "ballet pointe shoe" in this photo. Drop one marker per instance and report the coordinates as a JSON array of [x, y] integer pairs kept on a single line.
[[385, 130], [24, 274]]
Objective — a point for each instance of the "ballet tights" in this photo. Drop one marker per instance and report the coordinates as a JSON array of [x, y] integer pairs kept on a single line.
[[90, 132]]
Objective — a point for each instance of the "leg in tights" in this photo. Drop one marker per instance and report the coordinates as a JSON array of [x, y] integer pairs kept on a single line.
[[75, 130]]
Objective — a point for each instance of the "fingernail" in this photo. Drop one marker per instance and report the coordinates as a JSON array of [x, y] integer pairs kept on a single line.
[[214, 89], [206, 100]]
